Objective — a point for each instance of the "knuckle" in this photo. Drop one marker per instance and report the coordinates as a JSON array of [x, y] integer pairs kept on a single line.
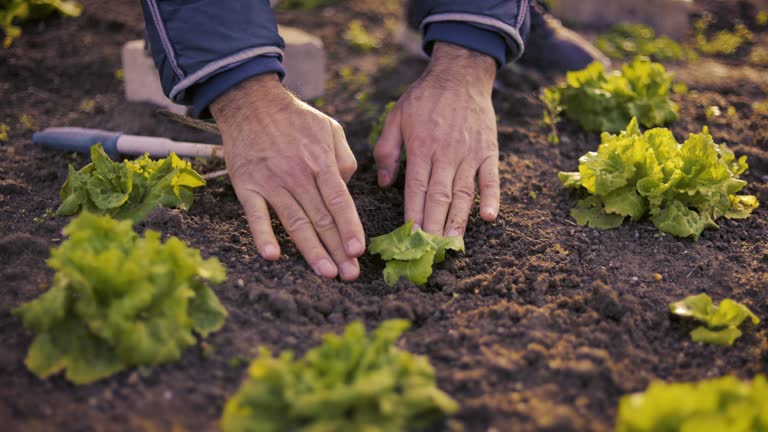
[[337, 200], [417, 184], [324, 221], [296, 222], [439, 196], [463, 193]]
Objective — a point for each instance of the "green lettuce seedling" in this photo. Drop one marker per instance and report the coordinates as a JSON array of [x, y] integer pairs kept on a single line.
[[378, 126], [684, 188], [352, 382], [16, 11], [626, 40], [128, 189], [720, 404], [411, 254], [119, 300], [721, 323], [603, 101]]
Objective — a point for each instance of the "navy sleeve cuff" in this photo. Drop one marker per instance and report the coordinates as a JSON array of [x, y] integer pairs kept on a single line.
[[466, 35], [206, 92]]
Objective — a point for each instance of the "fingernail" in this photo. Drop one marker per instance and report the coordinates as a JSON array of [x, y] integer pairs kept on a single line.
[[489, 211], [384, 177], [453, 233], [324, 268], [348, 270], [354, 247], [269, 251]]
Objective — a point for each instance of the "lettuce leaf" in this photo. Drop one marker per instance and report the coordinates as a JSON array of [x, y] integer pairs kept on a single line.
[[411, 254], [720, 404], [119, 300], [130, 189], [682, 188], [720, 322], [606, 101], [13, 12], [352, 382]]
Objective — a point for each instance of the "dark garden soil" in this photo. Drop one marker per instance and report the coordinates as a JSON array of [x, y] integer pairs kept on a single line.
[[541, 325]]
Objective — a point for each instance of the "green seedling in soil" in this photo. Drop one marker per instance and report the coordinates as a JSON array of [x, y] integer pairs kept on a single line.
[[724, 42], [378, 126], [119, 300], [712, 112], [120, 75], [550, 97], [352, 382], [357, 36], [720, 404], [603, 101], [128, 189], [762, 18], [88, 106], [411, 254], [13, 12], [628, 40], [683, 188], [4, 130], [28, 122], [721, 323]]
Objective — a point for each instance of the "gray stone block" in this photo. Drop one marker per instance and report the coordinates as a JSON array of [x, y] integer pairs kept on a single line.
[[668, 17], [304, 63]]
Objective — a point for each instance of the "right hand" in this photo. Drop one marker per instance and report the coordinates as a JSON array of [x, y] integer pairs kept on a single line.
[[283, 153]]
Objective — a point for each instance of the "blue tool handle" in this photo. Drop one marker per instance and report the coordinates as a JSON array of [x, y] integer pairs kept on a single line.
[[77, 139]]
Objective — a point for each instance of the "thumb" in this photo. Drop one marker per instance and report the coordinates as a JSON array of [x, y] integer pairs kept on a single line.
[[387, 150]]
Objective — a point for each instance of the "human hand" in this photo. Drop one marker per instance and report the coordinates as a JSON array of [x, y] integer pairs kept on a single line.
[[283, 153], [447, 122]]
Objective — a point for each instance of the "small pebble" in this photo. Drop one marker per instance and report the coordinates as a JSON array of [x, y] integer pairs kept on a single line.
[[240, 283]]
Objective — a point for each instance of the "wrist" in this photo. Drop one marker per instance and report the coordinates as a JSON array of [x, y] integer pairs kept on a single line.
[[456, 65], [261, 94]]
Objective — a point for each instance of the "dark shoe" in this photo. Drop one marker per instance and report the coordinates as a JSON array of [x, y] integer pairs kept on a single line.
[[552, 48]]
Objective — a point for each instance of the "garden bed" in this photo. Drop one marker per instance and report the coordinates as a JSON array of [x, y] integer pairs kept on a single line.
[[541, 325]]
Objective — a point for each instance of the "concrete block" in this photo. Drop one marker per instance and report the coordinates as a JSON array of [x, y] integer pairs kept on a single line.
[[304, 63], [668, 17], [142, 82]]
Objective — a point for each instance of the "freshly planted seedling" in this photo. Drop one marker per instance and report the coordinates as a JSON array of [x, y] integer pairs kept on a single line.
[[128, 189], [720, 404], [628, 40], [13, 12], [119, 300], [683, 188], [603, 101], [359, 37], [721, 323], [724, 42], [352, 382], [411, 254]]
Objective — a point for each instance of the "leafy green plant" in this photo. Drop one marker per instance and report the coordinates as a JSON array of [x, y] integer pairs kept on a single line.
[[359, 37], [720, 404], [411, 254], [550, 97], [684, 188], [352, 382], [378, 126], [627, 40], [13, 12], [721, 323], [606, 101], [128, 189], [119, 300], [4, 129], [724, 42]]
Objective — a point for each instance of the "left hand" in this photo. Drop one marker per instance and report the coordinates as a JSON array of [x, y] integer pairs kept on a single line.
[[447, 123]]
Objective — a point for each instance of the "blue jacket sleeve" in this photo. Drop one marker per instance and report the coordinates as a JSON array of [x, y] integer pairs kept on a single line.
[[497, 28], [205, 47]]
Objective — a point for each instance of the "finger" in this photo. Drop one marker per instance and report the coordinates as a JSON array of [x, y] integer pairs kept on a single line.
[[416, 184], [387, 150], [259, 221], [345, 159], [299, 226], [339, 202], [490, 191], [439, 197], [463, 197], [311, 200]]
